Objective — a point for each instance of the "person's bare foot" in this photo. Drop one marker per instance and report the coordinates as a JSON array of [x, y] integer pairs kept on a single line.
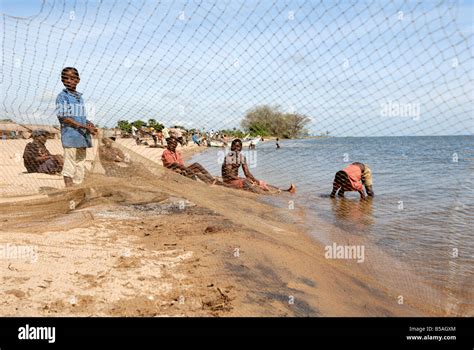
[[292, 189]]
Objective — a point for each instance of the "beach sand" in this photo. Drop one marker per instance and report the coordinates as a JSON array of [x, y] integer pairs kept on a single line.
[[15, 182], [153, 243]]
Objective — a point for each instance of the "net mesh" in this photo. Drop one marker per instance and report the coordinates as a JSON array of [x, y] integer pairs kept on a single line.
[[354, 69], [204, 64]]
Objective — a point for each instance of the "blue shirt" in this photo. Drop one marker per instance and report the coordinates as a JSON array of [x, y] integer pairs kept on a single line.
[[71, 105]]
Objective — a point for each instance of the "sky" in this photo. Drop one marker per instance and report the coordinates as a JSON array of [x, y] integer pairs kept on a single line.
[[355, 68]]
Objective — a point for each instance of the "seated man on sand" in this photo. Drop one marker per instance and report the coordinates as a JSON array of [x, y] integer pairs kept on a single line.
[[111, 158], [353, 178], [37, 158], [230, 173], [172, 159]]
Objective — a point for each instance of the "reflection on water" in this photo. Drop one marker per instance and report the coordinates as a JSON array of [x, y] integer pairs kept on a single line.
[[354, 215]]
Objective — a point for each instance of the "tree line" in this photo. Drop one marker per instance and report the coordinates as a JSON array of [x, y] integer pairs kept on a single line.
[[262, 121], [270, 121]]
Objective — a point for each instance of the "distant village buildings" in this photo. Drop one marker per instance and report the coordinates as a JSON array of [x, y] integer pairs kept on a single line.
[[10, 130]]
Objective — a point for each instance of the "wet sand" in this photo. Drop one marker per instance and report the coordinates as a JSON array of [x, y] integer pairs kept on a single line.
[[153, 243]]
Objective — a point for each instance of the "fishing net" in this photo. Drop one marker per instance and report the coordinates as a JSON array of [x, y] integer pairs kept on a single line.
[[360, 76]]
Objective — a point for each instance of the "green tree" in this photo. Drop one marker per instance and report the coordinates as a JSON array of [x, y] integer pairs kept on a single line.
[[258, 121], [270, 121], [124, 126], [236, 133], [296, 125], [155, 125], [138, 123]]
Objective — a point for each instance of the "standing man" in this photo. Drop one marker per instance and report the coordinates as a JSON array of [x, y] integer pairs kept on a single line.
[[135, 135], [166, 133], [196, 139], [76, 130]]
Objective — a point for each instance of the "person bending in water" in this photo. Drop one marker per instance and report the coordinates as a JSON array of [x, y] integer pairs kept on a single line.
[[353, 178], [230, 173], [172, 159]]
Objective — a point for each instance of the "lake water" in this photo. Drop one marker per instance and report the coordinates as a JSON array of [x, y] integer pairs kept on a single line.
[[420, 223]]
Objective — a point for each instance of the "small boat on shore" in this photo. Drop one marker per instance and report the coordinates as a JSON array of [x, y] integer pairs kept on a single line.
[[245, 142], [217, 143]]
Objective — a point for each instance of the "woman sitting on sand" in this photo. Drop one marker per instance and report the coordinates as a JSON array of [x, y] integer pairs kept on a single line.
[[230, 173], [353, 178]]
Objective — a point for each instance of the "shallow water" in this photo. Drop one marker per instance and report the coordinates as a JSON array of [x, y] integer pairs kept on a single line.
[[421, 215]]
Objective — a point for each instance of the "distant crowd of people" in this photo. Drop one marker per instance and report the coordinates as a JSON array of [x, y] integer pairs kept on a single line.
[[159, 136]]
